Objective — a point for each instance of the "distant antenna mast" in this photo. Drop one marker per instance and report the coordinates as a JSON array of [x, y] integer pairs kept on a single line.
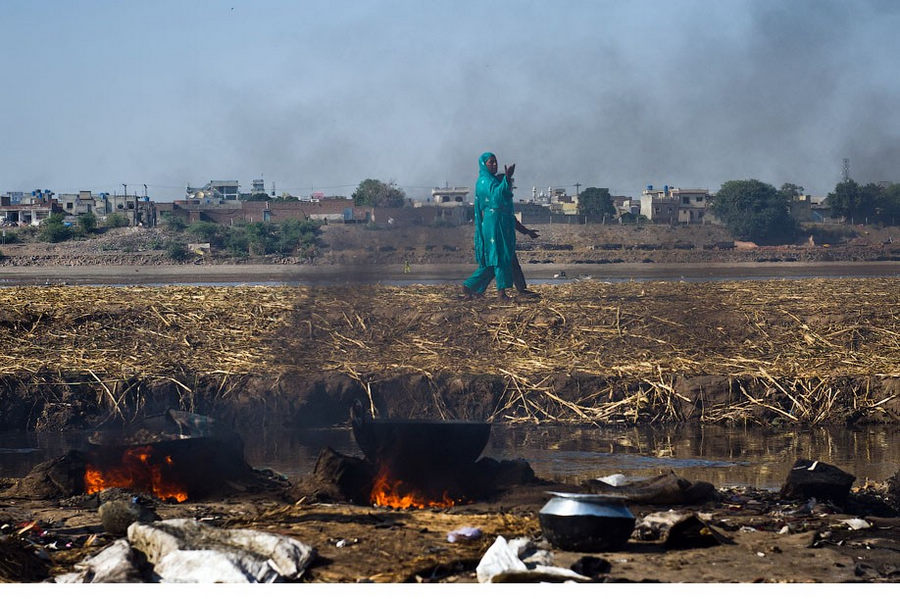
[[273, 189], [845, 170], [577, 188]]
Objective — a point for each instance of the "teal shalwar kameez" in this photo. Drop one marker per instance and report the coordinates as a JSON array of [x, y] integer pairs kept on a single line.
[[495, 230]]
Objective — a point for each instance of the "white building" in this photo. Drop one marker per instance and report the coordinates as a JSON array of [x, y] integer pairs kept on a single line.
[[450, 195], [675, 204]]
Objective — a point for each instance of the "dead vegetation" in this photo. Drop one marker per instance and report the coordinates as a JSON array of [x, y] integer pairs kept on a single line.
[[800, 351]]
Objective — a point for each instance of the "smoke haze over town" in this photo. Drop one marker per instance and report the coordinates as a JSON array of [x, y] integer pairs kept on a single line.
[[317, 96]]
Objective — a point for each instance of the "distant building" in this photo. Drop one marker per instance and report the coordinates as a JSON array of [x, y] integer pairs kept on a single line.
[[561, 202], [15, 197], [673, 205], [83, 202], [450, 195], [30, 213], [214, 192], [808, 208], [626, 205], [327, 210]]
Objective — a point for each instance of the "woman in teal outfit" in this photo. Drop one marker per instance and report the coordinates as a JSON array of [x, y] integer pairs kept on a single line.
[[495, 228]]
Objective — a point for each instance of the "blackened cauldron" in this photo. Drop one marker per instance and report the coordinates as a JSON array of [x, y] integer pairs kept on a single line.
[[421, 445]]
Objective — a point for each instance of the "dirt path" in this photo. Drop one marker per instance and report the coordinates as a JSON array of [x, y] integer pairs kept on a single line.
[[395, 273]]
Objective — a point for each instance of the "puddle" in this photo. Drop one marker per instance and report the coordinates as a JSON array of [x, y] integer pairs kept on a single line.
[[724, 456]]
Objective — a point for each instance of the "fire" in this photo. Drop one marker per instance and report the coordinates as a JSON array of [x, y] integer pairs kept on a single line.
[[395, 493], [138, 470]]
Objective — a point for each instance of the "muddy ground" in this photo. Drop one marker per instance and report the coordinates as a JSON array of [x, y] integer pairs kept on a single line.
[[765, 538]]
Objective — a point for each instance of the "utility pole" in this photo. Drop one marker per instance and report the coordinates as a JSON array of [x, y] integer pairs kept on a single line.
[[134, 211]]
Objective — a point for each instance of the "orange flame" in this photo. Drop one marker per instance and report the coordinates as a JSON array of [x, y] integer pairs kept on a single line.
[[137, 471], [388, 492]]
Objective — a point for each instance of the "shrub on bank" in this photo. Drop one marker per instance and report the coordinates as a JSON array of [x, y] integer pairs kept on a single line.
[[10, 236], [87, 223], [177, 251], [115, 220], [54, 230]]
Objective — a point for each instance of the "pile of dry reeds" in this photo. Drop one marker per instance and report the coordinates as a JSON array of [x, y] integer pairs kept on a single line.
[[791, 339]]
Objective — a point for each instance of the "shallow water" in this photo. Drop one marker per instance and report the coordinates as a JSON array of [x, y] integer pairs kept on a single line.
[[723, 456]]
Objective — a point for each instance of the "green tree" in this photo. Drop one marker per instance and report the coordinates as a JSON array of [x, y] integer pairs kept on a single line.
[[53, 229], [261, 238], [791, 191], [87, 222], [297, 234], [205, 232], [235, 240], [859, 203], [843, 200], [373, 192], [596, 202], [890, 214], [115, 220], [173, 223], [177, 251], [754, 211]]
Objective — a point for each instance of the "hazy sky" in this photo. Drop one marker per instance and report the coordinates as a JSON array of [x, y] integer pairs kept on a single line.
[[320, 95]]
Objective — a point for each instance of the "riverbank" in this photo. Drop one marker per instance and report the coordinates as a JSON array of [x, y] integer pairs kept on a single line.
[[396, 274], [359, 246], [808, 351]]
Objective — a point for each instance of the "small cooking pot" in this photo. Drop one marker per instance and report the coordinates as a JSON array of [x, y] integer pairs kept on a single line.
[[584, 522], [421, 445]]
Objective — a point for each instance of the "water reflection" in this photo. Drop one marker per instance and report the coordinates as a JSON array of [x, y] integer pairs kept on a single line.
[[723, 456]]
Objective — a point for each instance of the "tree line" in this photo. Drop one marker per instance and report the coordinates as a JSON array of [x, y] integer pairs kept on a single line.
[[750, 209]]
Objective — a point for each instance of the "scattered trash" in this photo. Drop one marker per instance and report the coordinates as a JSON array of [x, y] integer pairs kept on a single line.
[[184, 550], [615, 480], [665, 489], [116, 563], [503, 562], [117, 515], [812, 478], [339, 543], [591, 566], [857, 523], [30, 527], [747, 529], [465, 533], [679, 530]]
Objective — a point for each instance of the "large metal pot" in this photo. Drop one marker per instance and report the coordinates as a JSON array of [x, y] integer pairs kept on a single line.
[[421, 445], [583, 522]]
